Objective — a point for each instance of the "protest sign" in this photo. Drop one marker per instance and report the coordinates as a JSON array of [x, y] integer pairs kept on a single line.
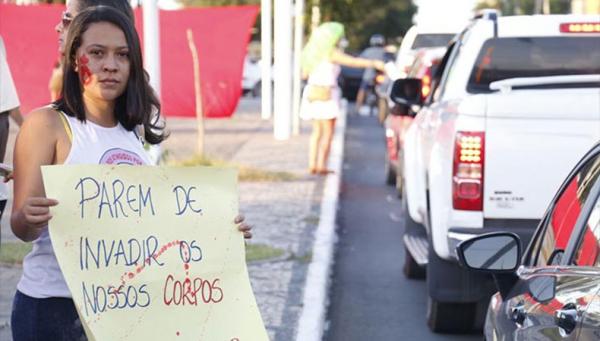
[[152, 253]]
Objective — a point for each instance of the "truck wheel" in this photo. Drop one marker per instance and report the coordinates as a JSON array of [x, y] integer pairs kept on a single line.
[[390, 173], [399, 184], [443, 317], [411, 269], [399, 180]]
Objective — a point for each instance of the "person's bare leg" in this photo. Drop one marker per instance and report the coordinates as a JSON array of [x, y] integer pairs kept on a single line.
[[314, 146], [328, 128], [360, 99]]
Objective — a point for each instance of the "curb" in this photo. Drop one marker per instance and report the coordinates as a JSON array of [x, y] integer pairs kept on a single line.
[[315, 301]]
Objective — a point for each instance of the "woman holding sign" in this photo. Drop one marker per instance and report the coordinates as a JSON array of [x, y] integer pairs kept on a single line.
[[103, 116]]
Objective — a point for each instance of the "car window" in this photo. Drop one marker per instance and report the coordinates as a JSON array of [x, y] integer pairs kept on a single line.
[[588, 250], [564, 214], [452, 58], [504, 58], [431, 40]]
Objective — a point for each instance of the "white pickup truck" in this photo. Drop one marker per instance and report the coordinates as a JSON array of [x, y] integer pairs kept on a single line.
[[515, 105]]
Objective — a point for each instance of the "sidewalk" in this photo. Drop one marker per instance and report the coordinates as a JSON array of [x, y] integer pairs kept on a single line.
[[285, 215]]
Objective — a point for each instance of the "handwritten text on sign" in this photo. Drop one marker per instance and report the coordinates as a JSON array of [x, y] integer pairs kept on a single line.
[[152, 252]]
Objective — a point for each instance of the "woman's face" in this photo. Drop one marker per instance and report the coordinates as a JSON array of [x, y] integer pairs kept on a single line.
[[62, 27], [103, 62]]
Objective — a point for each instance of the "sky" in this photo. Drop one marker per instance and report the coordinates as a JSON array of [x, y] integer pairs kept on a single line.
[[443, 10]]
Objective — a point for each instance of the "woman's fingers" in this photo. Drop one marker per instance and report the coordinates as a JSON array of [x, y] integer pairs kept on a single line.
[[38, 220], [36, 211], [246, 230], [39, 201], [239, 218]]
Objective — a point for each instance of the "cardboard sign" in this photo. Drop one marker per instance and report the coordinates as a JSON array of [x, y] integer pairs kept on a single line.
[[152, 253]]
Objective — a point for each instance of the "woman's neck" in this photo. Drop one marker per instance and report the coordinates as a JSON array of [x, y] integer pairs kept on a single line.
[[100, 112]]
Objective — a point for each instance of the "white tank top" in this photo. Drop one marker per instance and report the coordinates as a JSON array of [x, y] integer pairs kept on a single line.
[[325, 74], [91, 144]]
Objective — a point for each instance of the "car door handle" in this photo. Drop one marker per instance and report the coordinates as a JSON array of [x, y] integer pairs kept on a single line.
[[518, 314], [566, 318]]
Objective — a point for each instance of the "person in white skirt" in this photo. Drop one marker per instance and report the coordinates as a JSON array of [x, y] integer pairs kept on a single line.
[[321, 60]]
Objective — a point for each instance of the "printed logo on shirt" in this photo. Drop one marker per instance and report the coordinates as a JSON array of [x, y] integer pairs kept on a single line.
[[118, 156]]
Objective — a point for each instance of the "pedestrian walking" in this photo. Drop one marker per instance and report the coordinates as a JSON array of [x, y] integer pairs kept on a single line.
[[321, 98], [9, 107]]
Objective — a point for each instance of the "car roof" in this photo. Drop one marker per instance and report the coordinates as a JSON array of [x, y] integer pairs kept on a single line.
[[539, 25], [441, 28]]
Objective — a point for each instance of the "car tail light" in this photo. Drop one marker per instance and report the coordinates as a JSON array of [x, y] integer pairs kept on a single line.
[[583, 27], [426, 84], [467, 179], [390, 138]]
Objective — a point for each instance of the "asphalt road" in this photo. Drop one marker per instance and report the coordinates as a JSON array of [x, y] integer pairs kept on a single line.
[[370, 298]]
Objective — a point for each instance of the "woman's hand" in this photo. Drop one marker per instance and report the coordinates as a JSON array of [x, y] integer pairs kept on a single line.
[[379, 65], [36, 211], [8, 176], [243, 227]]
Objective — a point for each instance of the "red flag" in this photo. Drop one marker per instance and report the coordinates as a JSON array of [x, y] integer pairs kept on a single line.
[[221, 35]]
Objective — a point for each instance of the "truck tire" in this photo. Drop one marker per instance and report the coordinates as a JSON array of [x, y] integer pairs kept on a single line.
[[443, 317], [390, 173], [411, 269], [399, 175], [446, 317]]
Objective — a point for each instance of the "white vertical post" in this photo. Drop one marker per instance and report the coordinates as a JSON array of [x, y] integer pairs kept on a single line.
[[152, 43], [152, 56], [266, 33], [283, 64], [297, 85]]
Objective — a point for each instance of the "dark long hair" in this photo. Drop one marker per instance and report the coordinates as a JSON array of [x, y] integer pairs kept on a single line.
[[138, 104], [122, 6]]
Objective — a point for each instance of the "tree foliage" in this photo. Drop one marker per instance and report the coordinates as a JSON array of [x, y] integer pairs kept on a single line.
[[361, 18], [517, 7]]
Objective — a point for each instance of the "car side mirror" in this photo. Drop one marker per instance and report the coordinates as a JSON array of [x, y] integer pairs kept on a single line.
[[496, 253], [406, 91], [542, 288]]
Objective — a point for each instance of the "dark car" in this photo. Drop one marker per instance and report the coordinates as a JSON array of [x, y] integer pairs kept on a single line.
[[552, 290], [349, 81]]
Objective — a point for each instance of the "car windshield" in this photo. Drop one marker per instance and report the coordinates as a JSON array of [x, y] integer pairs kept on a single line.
[[504, 58], [431, 40]]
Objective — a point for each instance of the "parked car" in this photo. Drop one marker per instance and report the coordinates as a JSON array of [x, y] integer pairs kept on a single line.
[[399, 116], [513, 108], [251, 76], [423, 36], [552, 291]]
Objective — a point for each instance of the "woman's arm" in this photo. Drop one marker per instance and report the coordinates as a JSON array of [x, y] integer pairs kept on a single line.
[[339, 57], [35, 146]]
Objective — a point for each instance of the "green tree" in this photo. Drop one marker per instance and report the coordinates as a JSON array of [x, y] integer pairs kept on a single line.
[[361, 18], [515, 7]]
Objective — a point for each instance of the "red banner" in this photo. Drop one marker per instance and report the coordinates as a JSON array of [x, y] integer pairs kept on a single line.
[[220, 34]]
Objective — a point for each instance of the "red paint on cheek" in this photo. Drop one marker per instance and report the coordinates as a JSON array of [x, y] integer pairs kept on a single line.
[[85, 75]]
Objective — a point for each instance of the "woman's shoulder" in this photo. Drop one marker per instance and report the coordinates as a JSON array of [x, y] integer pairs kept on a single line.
[[43, 118]]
